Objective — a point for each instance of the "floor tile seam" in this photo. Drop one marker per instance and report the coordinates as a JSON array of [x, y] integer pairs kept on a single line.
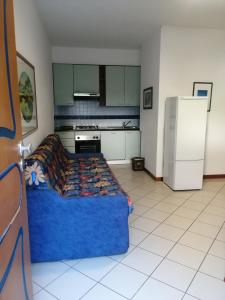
[[111, 289], [218, 206], [167, 284], [158, 225], [88, 290], [56, 278], [209, 224], [201, 234], [134, 247], [191, 296], [173, 248], [215, 215], [203, 260], [210, 275], [54, 296], [176, 241], [182, 264], [99, 280], [143, 273], [41, 288], [165, 257]]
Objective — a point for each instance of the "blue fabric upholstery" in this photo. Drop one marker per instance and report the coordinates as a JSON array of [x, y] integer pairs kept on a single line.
[[76, 228], [72, 227]]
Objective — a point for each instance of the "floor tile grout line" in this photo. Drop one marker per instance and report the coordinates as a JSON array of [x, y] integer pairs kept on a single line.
[[99, 281], [138, 245], [164, 256], [198, 270], [209, 247], [54, 296], [178, 239]]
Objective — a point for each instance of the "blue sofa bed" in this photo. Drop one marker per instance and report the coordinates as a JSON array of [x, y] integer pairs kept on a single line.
[[76, 207]]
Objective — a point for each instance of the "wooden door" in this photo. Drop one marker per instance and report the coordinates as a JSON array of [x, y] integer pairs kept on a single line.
[[15, 278]]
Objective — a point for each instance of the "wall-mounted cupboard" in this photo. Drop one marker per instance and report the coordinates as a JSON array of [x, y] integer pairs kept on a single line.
[[63, 84], [86, 79], [121, 84]]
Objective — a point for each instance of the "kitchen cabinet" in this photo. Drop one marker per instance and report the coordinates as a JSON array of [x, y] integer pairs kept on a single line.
[[86, 78], [132, 86], [132, 143], [113, 144], [122, 86], [68, 140], [114, 85], [63, 84]]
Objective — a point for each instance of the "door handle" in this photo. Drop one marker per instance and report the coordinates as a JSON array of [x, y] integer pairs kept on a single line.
[[24, 148]]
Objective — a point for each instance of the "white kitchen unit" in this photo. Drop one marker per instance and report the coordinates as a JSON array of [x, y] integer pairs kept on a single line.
[[113, 145], [67, 139], [132, 143], [184, 142]]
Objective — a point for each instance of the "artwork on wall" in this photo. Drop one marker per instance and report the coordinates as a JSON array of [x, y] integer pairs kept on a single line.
[[203, 89], [148, 98], [27, 95]]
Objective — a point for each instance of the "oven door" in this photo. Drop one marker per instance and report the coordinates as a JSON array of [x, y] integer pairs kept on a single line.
[[90, 146]]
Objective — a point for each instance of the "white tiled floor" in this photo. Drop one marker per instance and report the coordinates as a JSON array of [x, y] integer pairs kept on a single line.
[[177, 249]]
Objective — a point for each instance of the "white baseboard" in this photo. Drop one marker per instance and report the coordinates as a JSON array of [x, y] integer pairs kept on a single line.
[[118, 162]]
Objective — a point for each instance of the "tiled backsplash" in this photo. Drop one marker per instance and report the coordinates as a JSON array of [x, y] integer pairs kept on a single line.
[[87, 110]]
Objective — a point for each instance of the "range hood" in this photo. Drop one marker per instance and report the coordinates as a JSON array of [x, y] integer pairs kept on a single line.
[[86, 94]]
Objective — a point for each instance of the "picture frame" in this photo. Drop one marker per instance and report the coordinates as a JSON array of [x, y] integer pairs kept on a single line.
[[203, 89], [148, 98], [27, 95]]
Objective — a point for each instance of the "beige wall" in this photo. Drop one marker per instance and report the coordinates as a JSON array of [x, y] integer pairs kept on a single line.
[[99, 56], [150, 60], [189, 55], [32, 42]]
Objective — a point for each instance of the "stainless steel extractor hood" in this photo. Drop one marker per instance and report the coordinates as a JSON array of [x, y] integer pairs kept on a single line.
[[81, 94]]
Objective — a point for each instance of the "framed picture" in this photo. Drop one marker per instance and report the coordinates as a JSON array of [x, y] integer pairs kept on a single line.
[[203, 89], [147, 98], [27, 95]]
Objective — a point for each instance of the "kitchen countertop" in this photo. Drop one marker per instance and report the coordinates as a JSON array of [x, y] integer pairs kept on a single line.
[[100, 129]]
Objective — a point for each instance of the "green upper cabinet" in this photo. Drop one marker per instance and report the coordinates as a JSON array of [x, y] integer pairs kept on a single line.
[[63, 84], [114, 86], [122, 86], [86, 79], [132, 86]]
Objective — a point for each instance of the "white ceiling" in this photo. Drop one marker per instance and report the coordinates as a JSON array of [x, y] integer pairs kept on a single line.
[[123, 23]]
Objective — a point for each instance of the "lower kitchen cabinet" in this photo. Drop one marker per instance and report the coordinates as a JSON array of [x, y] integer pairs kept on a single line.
[[67, 139], [133, 144], [113, 144]]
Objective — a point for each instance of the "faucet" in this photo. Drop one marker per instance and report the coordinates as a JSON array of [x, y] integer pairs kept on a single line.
[[124, 124]]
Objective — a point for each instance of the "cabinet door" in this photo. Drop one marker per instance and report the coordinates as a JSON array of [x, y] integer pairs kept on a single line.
[[113, 144], [132, 86], [63, 84], [114, 86], [86, 78], [133, 144]]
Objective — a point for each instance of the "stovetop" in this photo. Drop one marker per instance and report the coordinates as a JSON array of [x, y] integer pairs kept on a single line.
[[86, 127]]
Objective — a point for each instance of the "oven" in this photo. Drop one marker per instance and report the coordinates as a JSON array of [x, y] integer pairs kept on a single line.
[[87, 142]]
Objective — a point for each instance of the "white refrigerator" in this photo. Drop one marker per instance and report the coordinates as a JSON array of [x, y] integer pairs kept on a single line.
[[184, 142]]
